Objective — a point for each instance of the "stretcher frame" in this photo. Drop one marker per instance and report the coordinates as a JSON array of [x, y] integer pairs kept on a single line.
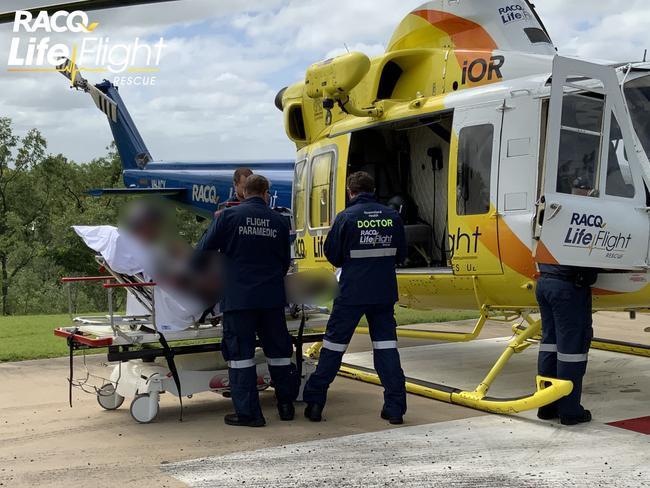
[[143, 372]]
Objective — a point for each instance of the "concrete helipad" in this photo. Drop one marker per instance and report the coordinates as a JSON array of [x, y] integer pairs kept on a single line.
[[487, 451], [46, 443], [490, 450]]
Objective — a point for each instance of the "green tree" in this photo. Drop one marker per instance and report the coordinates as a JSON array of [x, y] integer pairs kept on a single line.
[[41, 197], [21, 204]]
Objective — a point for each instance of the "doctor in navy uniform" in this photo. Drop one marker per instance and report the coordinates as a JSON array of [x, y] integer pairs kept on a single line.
[[254, 240], [366, 241]]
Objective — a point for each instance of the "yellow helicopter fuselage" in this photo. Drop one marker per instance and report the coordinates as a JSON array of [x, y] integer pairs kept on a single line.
[[453, 121]]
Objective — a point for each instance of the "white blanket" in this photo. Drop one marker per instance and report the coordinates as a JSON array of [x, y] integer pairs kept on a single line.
[[126, 255]]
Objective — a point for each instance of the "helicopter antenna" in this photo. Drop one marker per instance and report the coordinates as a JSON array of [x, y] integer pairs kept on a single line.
[[346, 48], [645, 55]]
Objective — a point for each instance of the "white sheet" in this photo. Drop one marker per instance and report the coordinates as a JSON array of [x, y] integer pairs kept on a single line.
[[126, 255]]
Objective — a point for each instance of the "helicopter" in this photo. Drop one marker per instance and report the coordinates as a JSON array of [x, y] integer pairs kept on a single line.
[[498, 153]]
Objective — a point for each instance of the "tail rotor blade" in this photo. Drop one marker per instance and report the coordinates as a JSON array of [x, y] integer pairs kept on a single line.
[[104, 103]]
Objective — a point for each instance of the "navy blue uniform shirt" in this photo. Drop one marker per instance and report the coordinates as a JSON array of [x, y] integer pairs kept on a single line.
[[367, 241], [255, 242]]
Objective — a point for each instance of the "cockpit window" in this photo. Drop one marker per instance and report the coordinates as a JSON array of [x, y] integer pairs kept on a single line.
[[537, 35], [637, 94]]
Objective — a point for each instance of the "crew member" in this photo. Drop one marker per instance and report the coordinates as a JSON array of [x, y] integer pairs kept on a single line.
[[238, 182], [254, 241], [564, 297], [366, 241], [239, 178]]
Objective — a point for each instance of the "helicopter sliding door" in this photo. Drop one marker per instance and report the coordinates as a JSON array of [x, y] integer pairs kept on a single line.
[[593, 210], [473, 239]]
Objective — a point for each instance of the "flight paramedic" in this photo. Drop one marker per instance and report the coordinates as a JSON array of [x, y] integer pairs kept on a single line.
[[254, 240], [564, 297], [367, 242]]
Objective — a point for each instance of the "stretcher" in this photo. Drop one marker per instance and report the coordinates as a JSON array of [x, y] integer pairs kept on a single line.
[[148, 362]]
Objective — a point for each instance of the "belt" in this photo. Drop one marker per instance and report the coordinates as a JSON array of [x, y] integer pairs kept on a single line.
[[577, 279], [569, 278]]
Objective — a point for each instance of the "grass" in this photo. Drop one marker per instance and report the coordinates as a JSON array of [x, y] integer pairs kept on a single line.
[[31, 337]]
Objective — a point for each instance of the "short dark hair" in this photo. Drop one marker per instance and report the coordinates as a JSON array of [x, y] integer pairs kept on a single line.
[[239, 172], [256, 185], [361, 182]]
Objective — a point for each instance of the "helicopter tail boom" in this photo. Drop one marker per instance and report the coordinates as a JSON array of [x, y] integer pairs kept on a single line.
[[130, 146]]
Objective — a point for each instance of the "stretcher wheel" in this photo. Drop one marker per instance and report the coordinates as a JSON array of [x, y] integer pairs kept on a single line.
[[108, 398], [144, 409]]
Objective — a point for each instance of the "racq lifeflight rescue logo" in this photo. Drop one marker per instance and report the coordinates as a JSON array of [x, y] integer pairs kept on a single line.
[[33, 50], [513, 13], [589, 232]]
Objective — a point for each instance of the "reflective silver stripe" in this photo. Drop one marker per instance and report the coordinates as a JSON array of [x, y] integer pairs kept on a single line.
[[373, 253], [244, 363], [384, 344], [278, 361], [333, 346], [572, 358], [548, 348]]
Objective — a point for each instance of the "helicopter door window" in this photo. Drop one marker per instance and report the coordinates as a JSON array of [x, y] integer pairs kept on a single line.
[[320, 194], [298, 204], [474, 169], [580, 144], [619, 176], [637, 95]]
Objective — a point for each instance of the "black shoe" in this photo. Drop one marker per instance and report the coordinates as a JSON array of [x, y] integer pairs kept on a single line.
[[548, 412], [392, 420], [237, 421], [314, 412], [576, 419], [287, 411]]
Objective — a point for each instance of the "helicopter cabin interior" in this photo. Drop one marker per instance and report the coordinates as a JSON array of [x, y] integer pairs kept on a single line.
[[409, 161]]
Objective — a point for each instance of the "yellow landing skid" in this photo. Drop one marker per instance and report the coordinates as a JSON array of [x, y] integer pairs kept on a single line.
[[620, 347], [548, 390]]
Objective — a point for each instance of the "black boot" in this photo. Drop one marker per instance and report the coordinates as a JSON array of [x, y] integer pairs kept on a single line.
[[576, 419], [392, 420], [287, 411], [237, 421], [548, 412], [314, 412]]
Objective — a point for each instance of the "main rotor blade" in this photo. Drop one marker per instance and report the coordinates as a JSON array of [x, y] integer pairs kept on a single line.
[[85, 5]]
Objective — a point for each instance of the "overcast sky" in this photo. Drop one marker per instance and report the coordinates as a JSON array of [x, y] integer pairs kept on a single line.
[[226, 59]]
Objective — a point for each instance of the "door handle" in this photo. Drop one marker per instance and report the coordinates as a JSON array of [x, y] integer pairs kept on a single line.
[[555, 209]]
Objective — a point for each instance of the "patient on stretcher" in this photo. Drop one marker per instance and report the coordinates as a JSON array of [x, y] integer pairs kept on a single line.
[[189, 286], [143, 245]]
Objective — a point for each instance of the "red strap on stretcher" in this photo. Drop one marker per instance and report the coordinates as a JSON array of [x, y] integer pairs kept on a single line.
[[82, 339]]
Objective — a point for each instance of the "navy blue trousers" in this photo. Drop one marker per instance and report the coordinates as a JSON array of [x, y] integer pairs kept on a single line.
[[239, 330], [340, 328], [566, 336]]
